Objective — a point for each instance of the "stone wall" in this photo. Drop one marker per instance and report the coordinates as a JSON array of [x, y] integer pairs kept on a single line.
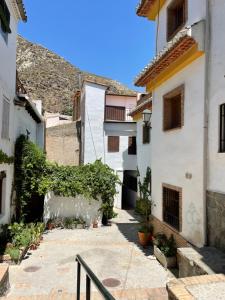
[[62, 145], [216, 220]]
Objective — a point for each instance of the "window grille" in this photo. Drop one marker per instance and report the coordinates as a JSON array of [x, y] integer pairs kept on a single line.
[[171, 207]]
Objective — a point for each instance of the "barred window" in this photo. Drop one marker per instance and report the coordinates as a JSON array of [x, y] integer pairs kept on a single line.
[[2, 176], [5, 118], [171, 206]]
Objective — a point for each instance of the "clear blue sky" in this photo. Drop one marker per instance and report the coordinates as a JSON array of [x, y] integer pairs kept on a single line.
[[100, 36]]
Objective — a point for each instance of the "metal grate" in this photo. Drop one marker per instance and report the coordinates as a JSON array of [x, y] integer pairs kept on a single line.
[[171, 207]]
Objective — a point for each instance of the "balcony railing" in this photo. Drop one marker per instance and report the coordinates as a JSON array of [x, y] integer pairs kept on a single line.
[[90, 278], [117, 114]]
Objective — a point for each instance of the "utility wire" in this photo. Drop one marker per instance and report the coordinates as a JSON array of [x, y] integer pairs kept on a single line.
[[92, 138]]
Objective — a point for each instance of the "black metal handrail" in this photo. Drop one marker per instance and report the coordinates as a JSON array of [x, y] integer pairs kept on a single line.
[[90, 277]]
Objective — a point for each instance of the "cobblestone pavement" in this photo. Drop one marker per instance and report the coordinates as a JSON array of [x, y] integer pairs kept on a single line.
[[111, 252]]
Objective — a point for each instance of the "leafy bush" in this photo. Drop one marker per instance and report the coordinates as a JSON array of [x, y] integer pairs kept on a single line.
[[14, 253], [166, 245], [34, 174]]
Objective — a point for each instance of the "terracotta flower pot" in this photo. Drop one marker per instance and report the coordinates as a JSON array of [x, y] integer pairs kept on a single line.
[[144, 238]]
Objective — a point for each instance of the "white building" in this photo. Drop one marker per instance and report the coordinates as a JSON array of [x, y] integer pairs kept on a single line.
[[11, 12], [186, 79], [143, 134], [109, 133]]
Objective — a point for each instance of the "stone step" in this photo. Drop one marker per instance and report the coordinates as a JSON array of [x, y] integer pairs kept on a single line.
[[4, 278], [130, 294]]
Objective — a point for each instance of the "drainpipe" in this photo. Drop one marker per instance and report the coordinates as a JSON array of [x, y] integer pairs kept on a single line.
[[206, 113]]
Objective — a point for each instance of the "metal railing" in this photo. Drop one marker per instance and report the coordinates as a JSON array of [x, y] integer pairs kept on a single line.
[[90, 277]]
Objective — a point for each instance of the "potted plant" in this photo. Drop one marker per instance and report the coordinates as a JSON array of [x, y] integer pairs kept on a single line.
[[107, 213], [145, 234], [165, 250]]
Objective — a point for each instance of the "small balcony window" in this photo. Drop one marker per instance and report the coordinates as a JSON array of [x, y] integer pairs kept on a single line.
[[5, 118], [173, 109], [114, 113], [146, 134], [176, 17]]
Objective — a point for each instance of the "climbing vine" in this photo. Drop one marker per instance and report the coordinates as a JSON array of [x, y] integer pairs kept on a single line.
[[35, 175], [5, 159]]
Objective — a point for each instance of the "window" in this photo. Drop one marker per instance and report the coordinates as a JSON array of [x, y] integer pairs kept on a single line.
[[132, 148], [146, 134], [2, 176], [114, 113], [113, 143], [173, 112], [172, 206], [222, 128], [176, 17], [4, 19], [5, 118]]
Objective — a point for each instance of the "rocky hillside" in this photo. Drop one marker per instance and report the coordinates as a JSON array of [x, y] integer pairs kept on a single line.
[[52, 79]]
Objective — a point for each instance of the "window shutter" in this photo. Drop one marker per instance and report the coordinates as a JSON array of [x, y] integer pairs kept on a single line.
[[113, 143], [5, 118], [114, 113]]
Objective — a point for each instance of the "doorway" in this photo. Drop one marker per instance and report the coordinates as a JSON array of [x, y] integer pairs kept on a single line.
[[129, 190]]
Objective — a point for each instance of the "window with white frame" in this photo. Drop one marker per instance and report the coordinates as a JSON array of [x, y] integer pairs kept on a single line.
[[5, 118]]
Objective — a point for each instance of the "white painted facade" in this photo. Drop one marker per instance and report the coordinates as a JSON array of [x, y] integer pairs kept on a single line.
[[7, 90], [189, 157], [95, 131], [216, 160], [143, 151], [196, 12]]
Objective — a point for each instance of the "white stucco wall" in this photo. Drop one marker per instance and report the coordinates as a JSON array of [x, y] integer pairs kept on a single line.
[[176, 152], [55, 206], [196, 12], [216, 175], [7, 89], [143, 151], [94, 120], [95, 131], [23, 122]]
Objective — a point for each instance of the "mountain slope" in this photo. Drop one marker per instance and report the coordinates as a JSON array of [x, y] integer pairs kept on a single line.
[[50, 78]]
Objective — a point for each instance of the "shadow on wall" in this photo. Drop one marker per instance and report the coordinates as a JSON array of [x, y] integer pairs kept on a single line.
[[56, 206]]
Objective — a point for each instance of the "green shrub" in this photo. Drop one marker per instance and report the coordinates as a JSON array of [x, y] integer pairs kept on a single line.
[[14, 253], [166, 245], [33, 174]]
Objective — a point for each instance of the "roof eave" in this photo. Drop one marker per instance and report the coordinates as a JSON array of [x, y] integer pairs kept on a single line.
[[22, 10]]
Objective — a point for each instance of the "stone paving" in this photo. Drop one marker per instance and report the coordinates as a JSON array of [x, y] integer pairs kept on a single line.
[[111, 252]]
